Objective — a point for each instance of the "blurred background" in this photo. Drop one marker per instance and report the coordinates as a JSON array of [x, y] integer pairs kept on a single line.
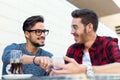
[[107, 10], [57, 15]]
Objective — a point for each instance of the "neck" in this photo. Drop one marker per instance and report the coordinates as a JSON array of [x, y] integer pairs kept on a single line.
[[89, 42], [30, 48]]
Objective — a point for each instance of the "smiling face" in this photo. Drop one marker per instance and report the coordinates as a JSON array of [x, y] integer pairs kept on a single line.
[[78, 30], [33, 38]]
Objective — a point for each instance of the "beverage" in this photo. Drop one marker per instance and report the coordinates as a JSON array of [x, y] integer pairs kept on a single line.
[[16, 62], [16, 68]]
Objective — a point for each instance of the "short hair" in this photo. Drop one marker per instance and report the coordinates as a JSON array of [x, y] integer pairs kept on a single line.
[[31, 21], [87, 16]]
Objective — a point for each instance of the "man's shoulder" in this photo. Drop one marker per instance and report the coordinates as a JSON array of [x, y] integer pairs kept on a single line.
[[14, 45], [107, 38]]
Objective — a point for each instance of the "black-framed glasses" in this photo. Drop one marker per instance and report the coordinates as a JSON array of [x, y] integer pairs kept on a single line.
[[38, 32]]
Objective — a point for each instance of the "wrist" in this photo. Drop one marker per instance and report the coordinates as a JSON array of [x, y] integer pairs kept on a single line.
[[35, 61], [82, 69], [89, 71]]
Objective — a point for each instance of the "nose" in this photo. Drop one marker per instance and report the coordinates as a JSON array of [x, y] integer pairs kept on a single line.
[[42, 34], [72, 31]]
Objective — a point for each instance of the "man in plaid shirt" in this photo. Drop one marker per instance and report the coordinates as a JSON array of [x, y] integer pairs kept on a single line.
[[100, 54]]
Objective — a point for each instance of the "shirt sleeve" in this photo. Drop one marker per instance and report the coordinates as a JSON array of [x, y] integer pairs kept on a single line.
[[6, 52]]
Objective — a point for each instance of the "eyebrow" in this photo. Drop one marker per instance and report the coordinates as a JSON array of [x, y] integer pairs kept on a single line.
[[74, 26]]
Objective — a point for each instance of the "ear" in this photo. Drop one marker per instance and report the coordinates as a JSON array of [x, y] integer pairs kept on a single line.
[[89, 27], [26, 34]]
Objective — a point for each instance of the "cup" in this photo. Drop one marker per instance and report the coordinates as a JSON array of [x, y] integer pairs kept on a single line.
[[58, 59], [16, 62]]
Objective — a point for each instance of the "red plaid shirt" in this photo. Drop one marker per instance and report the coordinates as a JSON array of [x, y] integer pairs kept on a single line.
[[104, 50]]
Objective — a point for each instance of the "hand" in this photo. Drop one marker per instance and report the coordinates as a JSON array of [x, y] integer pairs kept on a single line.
[[44, 62], [71, 68]]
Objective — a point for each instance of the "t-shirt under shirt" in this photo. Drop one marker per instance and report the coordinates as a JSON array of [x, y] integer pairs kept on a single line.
[[86, 59]]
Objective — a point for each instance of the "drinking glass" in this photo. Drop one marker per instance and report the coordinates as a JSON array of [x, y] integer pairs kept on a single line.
[[16, 62]]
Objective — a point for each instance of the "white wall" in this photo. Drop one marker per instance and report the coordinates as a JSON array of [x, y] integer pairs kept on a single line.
[[57, 19], [57, 14]]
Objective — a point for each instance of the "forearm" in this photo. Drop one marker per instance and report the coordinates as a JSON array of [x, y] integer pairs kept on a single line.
[[27, 59], [113, 68]]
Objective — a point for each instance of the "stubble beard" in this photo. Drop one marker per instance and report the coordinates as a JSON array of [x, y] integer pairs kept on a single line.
[[37, 44]]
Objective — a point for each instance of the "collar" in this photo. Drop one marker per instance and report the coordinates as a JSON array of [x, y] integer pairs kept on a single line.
[[95, 44]]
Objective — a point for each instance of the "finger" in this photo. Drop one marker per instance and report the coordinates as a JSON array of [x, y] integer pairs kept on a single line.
[[68, 59], [45, 62], [41, 61], [48, 65], [59, 72], [48, 62], [59, 65], [47, 70]]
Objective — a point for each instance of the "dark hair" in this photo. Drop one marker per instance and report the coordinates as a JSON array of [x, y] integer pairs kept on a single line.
[[31, 21], [87, 16]]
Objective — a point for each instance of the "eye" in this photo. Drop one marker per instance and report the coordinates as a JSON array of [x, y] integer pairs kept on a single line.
[[74, 27], [38, 31]]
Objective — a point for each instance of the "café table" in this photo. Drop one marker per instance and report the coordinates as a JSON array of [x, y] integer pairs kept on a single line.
[[75, 77], [62, 77], [81, 77]]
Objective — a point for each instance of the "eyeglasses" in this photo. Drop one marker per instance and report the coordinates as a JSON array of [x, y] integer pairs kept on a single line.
[[38, 32]]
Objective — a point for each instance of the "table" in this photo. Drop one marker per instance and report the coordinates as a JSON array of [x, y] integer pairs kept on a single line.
[[78, 77], [107, 76], [81, 77]]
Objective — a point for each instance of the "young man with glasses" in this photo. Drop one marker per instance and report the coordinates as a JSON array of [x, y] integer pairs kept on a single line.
[[36, 61]]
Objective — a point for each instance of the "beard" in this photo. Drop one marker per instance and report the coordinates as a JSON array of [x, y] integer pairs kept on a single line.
[[37, 45], [80, 38]]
